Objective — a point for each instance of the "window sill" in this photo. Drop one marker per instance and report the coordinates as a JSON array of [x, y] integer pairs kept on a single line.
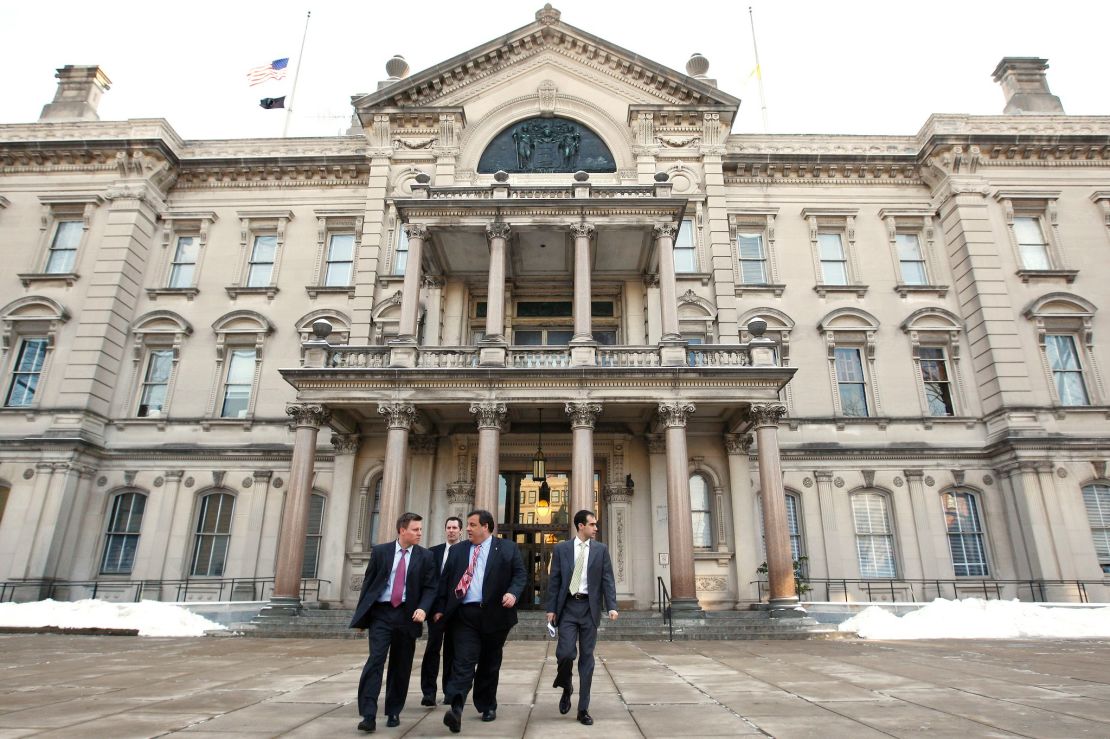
[[824, 290], [904, 290], [722, 558], [841, 422], [269, 291], [66, 278], [315, 290], [188, 292], [1047, 275], [705, 277], [246, 422], [773, 288], [158, 422], [386, 280]]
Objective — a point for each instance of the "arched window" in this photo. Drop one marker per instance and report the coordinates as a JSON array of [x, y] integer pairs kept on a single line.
[[700, 512], [965, 534], [124, 525], [313, 536], [1063, 324], [213, 535], [1096, 498], [874, 535]]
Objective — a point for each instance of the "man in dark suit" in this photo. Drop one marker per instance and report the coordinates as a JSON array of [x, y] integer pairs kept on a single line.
[[478, 593], [581, 577], [398, 591], [429, 666]]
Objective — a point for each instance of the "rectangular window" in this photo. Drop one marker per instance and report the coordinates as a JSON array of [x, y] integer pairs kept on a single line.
[[965, 535], [851, 382], [911, 259], [934, 376], [152, 400], [341, 255], [834, 263], [261, 267], [310, 565], [123, 534], [795, 529], [1066, 370], [685, 254], [184, 265], [26, 372], [240, 380], [401, 256], [213, 535], [1032, 245], [1096, 499], [63, 249], [753, 258], [874, 539]]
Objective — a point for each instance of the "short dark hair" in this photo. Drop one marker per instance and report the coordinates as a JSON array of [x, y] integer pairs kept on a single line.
[[582, 517], [485, 518], [407, 518], [456, 519]]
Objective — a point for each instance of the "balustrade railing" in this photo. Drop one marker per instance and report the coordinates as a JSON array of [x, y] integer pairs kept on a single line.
[[188, 590], [448, 356], [910, 590], [622, 191], [359, 357], [627, 356], [534, 357], [460, 193], [717, 355]]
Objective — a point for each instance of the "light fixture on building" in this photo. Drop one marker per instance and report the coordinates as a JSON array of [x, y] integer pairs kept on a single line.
[[539, 468]]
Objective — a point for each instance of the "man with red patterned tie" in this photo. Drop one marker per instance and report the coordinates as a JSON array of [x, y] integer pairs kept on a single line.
[[398, 591], [478, 593]]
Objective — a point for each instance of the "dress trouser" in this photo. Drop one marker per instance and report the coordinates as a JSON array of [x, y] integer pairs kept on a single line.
[[390, 634], [477, 659], [429, 666], [576, 629]]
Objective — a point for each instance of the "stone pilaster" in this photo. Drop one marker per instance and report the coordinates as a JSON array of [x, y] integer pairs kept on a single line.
[[333, 548], [745, 531], [490, 417]]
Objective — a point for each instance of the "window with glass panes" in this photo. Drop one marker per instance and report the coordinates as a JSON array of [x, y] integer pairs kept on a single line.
[[340, 260], [124, 525], [550, 322], [184, 265], [261, 266], [313, 537], [63, 247], [700, 513], [874, 536], [213, 534], [375, 513], [911, 259], [1067, 373], [965, 535], [239, 382], [851, 382], [1096, 499], [156, 379], [793, 524], [1032, 245], [26, 371], [935, 379], [753, 258], [685, 252], [834, 262], [401, 255]]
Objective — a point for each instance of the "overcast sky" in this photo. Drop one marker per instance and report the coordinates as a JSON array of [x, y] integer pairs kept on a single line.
[[828, 67]]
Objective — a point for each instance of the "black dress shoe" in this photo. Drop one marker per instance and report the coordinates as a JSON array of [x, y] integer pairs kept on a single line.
[[585, 719], [453, 720], [428, 700], [367, 725], [564, 701], [490, 715], [393, 720]]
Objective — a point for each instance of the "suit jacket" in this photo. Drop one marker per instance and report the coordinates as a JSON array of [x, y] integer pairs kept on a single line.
[[437, 555], [599, 579], [504, 574], [420, 583]]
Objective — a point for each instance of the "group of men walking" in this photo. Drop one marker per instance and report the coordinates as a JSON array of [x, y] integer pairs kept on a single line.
[[468, 592]]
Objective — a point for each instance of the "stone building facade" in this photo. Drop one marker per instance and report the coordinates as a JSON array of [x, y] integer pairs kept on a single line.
[[244, 358]]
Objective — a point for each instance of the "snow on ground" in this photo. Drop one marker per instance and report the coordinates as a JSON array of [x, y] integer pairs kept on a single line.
[[974, 618], [150, 617]]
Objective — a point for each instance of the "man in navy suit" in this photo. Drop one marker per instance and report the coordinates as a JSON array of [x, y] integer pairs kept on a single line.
[[429, 666], [398, 591], [478, 593], [581, 577]]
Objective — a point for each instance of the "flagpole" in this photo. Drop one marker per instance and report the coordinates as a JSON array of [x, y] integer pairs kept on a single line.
[[758, 71], [296, 76]]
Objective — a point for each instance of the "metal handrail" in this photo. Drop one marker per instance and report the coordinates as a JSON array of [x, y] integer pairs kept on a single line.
[[931, 588], [236, 587], [664, 600]]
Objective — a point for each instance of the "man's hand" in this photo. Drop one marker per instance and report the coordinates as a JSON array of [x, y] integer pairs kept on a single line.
[[418, 615], [509, 600], [613, 615], [551, 618], [437, 617]]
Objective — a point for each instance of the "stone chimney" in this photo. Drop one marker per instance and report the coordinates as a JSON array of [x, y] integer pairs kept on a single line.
[[79, 91], [1025, 86]]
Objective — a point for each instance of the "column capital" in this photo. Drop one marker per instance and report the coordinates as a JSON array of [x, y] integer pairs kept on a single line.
[[583, 230], [914, 474], [497, 230], [398, 415], [665, 230], [656, 444], [416, 231], [766, 414], [308, 414], [490, 415], [674, 414], [460, 493], [582, 414], [174, 474], [345, 443], [738, 443], [823, 475], [617, 493]]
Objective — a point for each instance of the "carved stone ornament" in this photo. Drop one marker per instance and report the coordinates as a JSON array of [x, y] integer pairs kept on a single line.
[[416, 231], [460, 493], [218, 478], [1061, 472], [189, 482], [278, 482], [674, 414], [839, 482], [667, 230], [398, 415], [247, 482], [618, 493], [582, 414], [490, 415], [899, 482], [497, 230], [583, 230], [548, 15], [807, 482], [738, 443], [868, 478], [546, 93], [988, 480], [656, 444], [423, 443], [345, 443], [929, 481], [159, 481], [710, 584], [356, 583], [547, 144], [308, 414], [763, 414]]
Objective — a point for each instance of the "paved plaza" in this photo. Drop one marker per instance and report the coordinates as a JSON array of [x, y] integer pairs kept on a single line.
[[140, 687]]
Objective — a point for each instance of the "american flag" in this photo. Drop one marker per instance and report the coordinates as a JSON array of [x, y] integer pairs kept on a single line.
[[275, 70]]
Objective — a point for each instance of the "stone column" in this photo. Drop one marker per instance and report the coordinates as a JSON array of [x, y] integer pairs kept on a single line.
[[680, 528], [582, 418], [491, 416], [745, 532], [583, 348], [671, 347], [333, 547], [395, 475], [776, 530], [294, 520], [657, 471], [493, 349], [404, 351]]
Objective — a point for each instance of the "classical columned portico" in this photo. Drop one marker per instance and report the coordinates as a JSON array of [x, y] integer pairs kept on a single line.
[[582, 418], [399, 418], [780, 560], [680, 528], [294, 520], [491, 416]]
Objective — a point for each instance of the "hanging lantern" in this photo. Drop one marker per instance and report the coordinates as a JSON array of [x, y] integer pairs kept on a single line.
[[539, 463]]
